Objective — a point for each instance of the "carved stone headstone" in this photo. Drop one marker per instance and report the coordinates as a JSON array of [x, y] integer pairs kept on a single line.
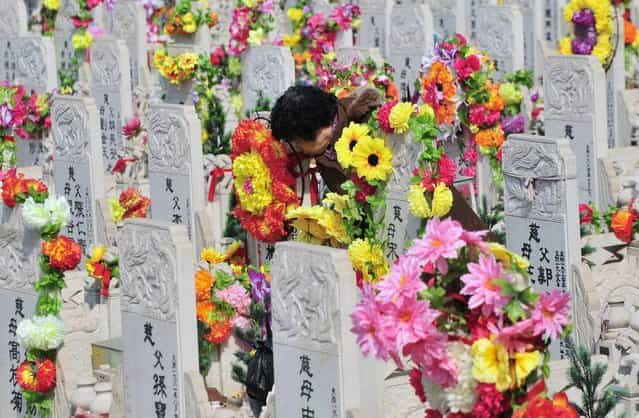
[[175, 165], [13, 22], [127, 22], [472, 8], [408, 39], [77, 163], [575, 108], [532, 14], [615, 85], [64, 30], [111, 89], [372, 30], [449, 17], [267, 71], [220, 32], [159, 333], [19, 251], [315, 355], [541, 211], [501, 35]]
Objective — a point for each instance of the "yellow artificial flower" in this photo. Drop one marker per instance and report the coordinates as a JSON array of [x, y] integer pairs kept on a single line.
[[236, 103], [334, 224], [97, 255], [368, 259], [525, 363], [359, 252], [493, 364], [417, 203], [117, 211], [51, 4], [337, 201], [158, 57], [205, 135], [330, 56], [189, 23], [346, 143], [252, 182], [256, 37], [442, 200], [603, 49], [187, 61], [308, 219], [372, 159], [565, 45], [292, 40], [237, 269], [356, 23], [505, 256], [295, 14], [399, 117], [82, 40], [168, 67], [427, 110], [211, 256]]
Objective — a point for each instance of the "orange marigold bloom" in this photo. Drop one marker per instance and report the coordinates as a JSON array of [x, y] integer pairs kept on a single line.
[[134, 203], [64, 253], [204, 281], [438, 82], [204, 310], [629, 31], [496, 102], [213, 19], [622, 224], [36, 376], [558, 407], [492, 137], [220, 332]]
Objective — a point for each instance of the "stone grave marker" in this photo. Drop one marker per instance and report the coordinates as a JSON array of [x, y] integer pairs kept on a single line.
[[408, 39], [501, 35], [575, 108], [449, 17], [267, 71], [220, 32], [111, 89], [315, 355], [13, 22], [64, 30], [541, 211], [472, 8], [127, 22], [175, 165], [35, 70], [552, 22], [19, 252], [532, 15], [159, 333], [615, 85], [77, 164], [372, 30]]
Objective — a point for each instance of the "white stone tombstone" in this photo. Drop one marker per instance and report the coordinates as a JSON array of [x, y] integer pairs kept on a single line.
[[472, 8], [19, 252], [372, 30], [347, 56], [266, 70], [541, 211], [175, 165], [449, 17], [159, 332], [532, 17], [315, 354], [575, 107], [615, 85], [111, 89], [408, 39], [501, 35], [77, 164], [220, 32], [64, 30], [127, 22], [13, 22], [629, 113], [552, 22]]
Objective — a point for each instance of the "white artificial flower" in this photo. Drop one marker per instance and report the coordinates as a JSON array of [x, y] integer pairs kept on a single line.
[[41, 332], [54, 211], [58, 210], [34, 214]]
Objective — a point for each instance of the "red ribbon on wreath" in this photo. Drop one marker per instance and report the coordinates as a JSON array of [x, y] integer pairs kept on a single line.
[[217, 174]]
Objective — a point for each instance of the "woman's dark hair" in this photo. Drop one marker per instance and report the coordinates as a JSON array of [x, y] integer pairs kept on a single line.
[[301, 112]]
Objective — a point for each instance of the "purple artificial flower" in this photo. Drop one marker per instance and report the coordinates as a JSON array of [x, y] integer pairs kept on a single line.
[[514, 124], [307, 31], [534, 97], [584, 17], [110, 4], [266, 7], [6, 116], [260, 288], [582, 46], [307, 9]]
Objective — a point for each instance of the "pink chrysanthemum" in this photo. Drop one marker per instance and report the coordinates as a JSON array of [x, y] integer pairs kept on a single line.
[[369, 326], [441, 241], [383, 116], [236, 296], [429, 353], [481, 287], [410, 319], [403, 280], [551, 314]]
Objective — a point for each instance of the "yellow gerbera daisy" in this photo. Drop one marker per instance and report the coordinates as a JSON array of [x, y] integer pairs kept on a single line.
[[346, 143], [211, 256], [399, 117], [372, 159]]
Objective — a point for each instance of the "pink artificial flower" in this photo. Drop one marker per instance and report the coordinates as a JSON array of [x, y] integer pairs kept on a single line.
[[236, 296], [383, 116], [132, 127], [92, 4], [447, 170], [95, 30], [47, 122], [475, 238], [316, 21], [429, 354], [368, 326], [465, 67], [516, 338], [217, 56], [470, 155], [242, 322], [402, 281], [80, 23], [480, 286], [410, 319], [441, 241], [551, 314]]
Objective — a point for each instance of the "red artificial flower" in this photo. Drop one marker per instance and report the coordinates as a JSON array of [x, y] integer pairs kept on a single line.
[[415, 379], [491, 403], [585, 214], [78, 22], [219, 332], [447, 170], [134, 203], [465, 67], [622, 224], [63, 253], [462, 40], [432, 413], [36, 376], [383, 116], [500, 154], [540, 406], [132, 127], [536, 111], [365, 189], [217, 56]]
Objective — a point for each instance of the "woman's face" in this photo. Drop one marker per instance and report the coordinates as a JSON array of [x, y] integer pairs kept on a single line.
[[316, 147]]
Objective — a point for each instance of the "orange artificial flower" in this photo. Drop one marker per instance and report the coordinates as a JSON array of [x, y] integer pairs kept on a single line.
[[622, 224], [630, 32], [495, 102], [204, 310], [220, 332], [169, 28], [134, 204], [391, 92], [213, 19], [36, 376], [64, 253], [438, 90], [492, 137], [204, 281], [540, 406]]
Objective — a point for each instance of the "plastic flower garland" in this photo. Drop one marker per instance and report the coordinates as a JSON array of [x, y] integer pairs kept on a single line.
[[12, 116], [462, 310], [185, 18], [103, 266], [130, 204], [263, 185], [593, 26], [177, 69], [251, 23]]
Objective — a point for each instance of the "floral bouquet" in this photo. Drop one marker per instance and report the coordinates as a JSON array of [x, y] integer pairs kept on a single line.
[[37, 119], [185, 18], [17, 189], [130, 204], [343, 80], [251, 23], [264, 186], [103, 266], [631, 41], [176, 69], [623, 221], [47, 16], [593, 27], [463, 312]]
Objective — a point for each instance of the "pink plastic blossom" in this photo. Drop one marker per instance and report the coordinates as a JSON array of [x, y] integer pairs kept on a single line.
[[402, 281], [551, 314], [368, 326], [236, 296], [441, 241], [481, 287]]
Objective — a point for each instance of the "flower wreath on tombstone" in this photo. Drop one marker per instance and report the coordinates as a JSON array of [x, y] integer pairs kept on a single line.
[[252, 22], [314, 36], [593, 30], [43, 334], [461, 310], [186, 17]]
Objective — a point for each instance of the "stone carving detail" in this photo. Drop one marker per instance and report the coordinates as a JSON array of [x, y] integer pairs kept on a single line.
[[63, 22], [219, 32], [267, 71], [584, 323], [168, 142], [305, 307], [532, 175], [495, 34], [568, 91], [10, 22], [30, 61], [70, 130], [122, 21], [406, 29], [18, 254], [104, 65], [400, 400], [405, 154], [148, 269]]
